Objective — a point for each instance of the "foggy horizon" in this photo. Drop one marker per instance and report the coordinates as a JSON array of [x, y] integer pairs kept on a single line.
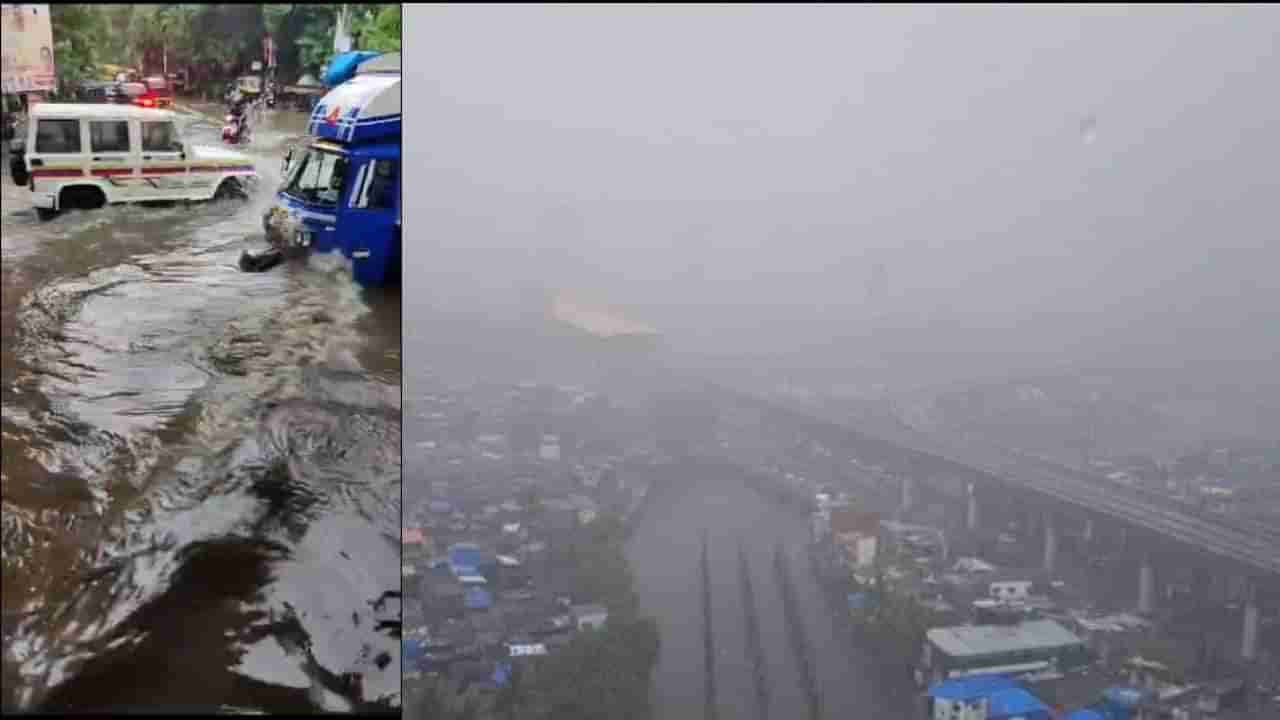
[[1043, 187]]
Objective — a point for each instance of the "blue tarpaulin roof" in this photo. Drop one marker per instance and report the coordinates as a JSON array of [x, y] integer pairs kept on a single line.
[[971, 687], [478, 599], [501, 674], [1016, 703], [861, 601], [1123, 696], [413, 650], [343, 67], [465, 556]]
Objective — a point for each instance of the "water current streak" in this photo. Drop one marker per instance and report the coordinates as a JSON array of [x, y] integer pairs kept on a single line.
[[711, 710], [751, 619], [799, 638]]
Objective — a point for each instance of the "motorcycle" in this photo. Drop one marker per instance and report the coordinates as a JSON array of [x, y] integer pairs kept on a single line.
[[236, 131]]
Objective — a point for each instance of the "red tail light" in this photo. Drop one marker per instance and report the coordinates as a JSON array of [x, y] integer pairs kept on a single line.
[[146, 102]]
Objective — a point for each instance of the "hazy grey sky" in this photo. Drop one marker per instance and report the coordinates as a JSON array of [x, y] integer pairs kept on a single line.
[[1050, 174]]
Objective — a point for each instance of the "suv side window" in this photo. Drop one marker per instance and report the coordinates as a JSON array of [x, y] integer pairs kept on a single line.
[[58, 136], [109, 135], [160, 137]]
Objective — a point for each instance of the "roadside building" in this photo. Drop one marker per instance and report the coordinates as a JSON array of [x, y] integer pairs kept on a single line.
[[549, 451], [856, 533], [415, 545], [590, 616], [1038, 645], [985, 698]]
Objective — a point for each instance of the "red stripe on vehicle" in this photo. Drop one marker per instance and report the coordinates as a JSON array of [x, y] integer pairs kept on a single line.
[[162, 171], [57, 173], [220, 168], [108, 172]]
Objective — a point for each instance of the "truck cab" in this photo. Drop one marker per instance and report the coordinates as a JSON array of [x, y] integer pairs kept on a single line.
[[341, 189], [85, 156]]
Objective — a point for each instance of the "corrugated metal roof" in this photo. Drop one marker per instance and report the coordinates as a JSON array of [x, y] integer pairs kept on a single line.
[[853, 520], [967, 641]]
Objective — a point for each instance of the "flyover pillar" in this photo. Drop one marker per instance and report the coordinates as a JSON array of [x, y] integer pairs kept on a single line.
[[1050, 545], [971, 517], [1249, 646], [1088, 530], [1146, 587], [908, 488]]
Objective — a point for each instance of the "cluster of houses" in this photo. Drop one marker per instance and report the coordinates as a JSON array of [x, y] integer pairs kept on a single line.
[[1003, 644], [486, 587]]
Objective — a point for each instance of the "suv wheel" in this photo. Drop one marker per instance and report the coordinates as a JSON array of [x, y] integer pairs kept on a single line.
[[230, 189]]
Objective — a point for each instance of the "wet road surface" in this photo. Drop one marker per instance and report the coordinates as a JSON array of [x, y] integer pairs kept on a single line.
[[201, 479], [664, 553]]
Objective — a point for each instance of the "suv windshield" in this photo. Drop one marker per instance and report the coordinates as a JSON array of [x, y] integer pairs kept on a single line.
[[317, 178]]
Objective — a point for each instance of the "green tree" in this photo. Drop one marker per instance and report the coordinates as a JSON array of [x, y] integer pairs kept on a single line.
[[600, 674], [377, 27], [80, 32], [314, 36]]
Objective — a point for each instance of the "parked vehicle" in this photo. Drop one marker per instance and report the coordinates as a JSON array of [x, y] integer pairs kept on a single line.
[[341, 191], [249, 86], [100, 91], [158, 94], [88, 155], [178, 81]]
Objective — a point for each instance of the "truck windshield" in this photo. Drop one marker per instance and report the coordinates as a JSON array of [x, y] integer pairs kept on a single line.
[[317, 178]]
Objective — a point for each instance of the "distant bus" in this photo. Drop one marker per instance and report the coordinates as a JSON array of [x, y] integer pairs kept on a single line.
[[999, 650]]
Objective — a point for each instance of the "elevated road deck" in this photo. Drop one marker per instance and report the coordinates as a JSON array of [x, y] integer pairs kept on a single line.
[[1256, 548]]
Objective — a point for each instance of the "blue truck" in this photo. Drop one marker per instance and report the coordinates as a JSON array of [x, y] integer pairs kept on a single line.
[[341, 189]]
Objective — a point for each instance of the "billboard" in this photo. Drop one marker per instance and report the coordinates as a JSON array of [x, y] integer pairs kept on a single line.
[[27, 49]]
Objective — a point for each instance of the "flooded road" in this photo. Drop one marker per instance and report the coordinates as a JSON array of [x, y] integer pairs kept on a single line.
[[201, 479], [664, 553]]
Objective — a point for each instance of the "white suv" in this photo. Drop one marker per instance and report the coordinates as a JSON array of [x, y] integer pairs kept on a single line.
[[88, 155]]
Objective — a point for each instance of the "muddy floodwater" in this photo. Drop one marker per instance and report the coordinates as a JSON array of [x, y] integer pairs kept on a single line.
[[201, 478], [711, 498]]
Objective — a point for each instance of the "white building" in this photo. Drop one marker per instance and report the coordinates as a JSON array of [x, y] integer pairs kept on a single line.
[[1010, 590], [860, 550], [550, 450], [589, 617]]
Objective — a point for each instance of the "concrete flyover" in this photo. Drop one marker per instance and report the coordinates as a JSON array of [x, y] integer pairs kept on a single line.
[[1256, 550]]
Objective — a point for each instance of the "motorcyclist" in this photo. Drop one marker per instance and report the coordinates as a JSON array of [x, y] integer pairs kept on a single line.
[[237, 121]]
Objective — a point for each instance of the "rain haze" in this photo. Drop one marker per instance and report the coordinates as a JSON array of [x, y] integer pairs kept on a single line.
[[990, 189], [981, 292]]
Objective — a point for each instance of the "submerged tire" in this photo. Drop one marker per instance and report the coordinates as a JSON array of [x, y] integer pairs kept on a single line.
[[81, 198], [45, 214]]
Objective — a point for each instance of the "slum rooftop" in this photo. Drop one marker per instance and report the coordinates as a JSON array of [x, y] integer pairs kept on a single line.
[[968, 641]]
